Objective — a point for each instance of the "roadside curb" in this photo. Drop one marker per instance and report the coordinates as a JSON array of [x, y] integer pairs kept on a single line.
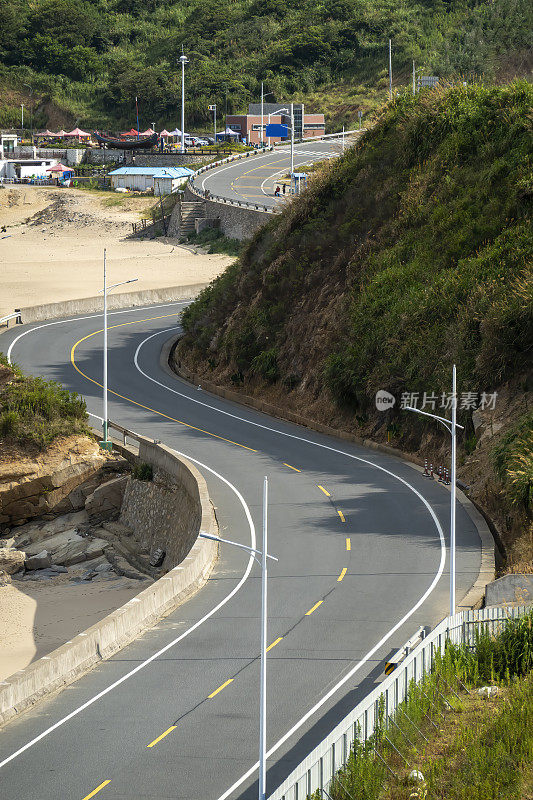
[[474, 596], [67, 663], [88, 305]]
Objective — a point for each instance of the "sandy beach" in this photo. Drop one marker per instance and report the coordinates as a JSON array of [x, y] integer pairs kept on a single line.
[[52, 247]]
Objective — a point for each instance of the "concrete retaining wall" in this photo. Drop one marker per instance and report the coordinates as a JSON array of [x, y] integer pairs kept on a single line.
[[235, 222], [89, 305], [100, 641], [163, 159]]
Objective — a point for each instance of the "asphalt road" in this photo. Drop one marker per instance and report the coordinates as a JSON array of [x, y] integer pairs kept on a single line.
[[255, 179], [361, 565]]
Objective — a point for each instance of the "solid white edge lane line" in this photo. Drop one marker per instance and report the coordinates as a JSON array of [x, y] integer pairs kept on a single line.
[[171, 644], [357, 666], [390, 633]]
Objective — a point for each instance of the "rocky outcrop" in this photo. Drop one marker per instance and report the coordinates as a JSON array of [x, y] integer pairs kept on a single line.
[[47, 484], [11, 561], [107, 498]]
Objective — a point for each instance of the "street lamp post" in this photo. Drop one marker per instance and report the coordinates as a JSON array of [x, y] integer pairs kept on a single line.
[[22, 118], [264, 617], [451, 426], [106, 444], [292, 141], [213, 108], [31, 109], [184, 60]]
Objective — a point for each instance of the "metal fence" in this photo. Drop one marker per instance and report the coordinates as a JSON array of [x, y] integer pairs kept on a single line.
[[317, 770]]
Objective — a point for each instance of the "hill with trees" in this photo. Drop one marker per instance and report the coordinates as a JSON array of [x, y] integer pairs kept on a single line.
[[410, 252], [85, 62]]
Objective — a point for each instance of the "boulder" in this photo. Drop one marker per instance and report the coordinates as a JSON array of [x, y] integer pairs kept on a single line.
[[11, 560], [107, 498], [39, 561]]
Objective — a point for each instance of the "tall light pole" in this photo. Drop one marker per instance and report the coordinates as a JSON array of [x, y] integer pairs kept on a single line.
[[292, 140], [22, 117], [31, 109], [262, 115], [184, 60], [213, 108], [451, 427], [106, 444], [264, 617]]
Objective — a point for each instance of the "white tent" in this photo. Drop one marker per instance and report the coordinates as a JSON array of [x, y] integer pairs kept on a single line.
[[227, 132]]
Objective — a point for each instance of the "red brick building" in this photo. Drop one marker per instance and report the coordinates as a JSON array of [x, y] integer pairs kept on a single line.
[[248, 126]]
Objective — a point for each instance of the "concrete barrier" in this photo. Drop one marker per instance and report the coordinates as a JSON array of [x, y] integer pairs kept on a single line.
[[90, 305], [68, 662]]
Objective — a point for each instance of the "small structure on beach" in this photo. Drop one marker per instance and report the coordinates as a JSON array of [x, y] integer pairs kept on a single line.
[[163, 180]]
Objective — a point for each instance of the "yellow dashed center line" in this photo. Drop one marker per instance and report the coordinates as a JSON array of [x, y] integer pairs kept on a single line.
[[290, 467], [341, 515], [323, 490], [278, 640], [308, 613], [348, 543], [95, 791], [220, 688], [341, 576], [169, 730]]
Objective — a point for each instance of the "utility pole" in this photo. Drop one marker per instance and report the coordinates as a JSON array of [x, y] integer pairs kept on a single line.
[[213, 108], [22, 115], [390, 69], [292, 141], [264, 615], [262, 109], [452, 509], [184, 60]]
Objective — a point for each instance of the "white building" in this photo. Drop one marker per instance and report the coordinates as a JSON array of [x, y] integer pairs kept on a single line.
[[26, 168], [164, 180]]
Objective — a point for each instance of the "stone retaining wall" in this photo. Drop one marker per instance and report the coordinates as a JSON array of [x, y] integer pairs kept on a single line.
[[235, 222], [65, 664]]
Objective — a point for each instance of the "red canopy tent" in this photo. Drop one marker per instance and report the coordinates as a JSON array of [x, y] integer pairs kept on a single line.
[[133, 132]]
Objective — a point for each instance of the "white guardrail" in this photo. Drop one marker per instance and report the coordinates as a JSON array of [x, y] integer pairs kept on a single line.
[[15, 315], [250, 154], [318, 768]]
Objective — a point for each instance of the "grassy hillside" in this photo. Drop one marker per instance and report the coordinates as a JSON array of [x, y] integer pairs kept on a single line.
[[87, 61], [411, 252]]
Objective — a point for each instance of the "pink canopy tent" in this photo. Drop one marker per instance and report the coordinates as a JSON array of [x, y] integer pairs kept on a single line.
[[133, 132], [78, 133], [147, 132], [59, 168], [46, 135], [164, 133]]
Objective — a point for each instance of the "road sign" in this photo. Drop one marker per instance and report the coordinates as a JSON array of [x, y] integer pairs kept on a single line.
[[427, 81], [274, 129]]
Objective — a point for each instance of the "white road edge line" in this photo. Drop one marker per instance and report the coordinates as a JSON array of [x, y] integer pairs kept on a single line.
[[171, 644], [392, 631]]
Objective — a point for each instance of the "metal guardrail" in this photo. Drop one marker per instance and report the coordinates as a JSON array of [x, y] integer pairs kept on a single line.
[[16, 316], [319, 767], [251, 153]]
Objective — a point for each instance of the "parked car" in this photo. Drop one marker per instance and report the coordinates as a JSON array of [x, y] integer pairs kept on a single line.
[[201, 141]]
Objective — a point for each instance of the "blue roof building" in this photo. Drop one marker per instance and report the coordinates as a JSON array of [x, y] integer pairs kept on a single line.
[[164, 180]]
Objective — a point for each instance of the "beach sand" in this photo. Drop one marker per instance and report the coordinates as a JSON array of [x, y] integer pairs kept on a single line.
[[52, 248]]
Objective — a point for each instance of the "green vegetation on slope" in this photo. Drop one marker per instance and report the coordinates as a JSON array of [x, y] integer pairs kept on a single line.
[[91, 59], [467, 747], [35, 411], [409, 253]]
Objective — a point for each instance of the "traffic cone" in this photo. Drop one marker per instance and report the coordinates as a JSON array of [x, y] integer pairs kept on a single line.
[[426, 470], [431, 472], [441, 479]]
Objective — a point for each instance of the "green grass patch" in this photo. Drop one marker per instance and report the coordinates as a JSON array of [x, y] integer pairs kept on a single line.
[[36, 411], [215, 242], [465, 745]]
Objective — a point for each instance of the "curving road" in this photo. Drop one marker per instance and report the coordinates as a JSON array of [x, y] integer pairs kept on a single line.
[[255, 179], [360, 541]]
